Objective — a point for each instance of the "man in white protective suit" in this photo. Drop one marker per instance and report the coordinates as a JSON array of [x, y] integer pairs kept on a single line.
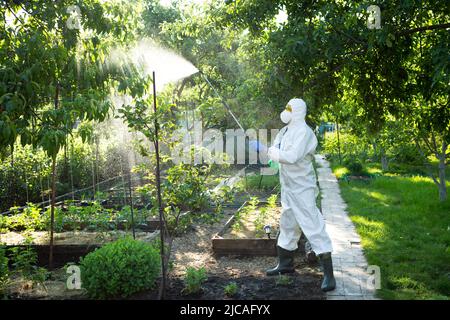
[[293, 149]]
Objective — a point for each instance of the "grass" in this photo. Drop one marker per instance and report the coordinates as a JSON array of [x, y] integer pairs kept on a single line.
[[405, 230], [268, 182]]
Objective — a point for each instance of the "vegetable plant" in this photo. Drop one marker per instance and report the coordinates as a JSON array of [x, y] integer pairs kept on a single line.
[[194, 279], [231, 289]]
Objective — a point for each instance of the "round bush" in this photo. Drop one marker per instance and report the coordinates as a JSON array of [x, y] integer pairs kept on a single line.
[[120, 268], [355, 167]]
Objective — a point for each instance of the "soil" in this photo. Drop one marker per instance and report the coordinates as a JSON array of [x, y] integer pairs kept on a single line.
[[194, 250], [246, 228], [304, 284]]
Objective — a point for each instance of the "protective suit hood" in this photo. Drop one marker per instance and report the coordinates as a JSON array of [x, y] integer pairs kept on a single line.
[[298, 107]]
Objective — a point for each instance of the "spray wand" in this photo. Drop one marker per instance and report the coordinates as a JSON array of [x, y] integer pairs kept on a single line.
[[255, 143], [223, 101]]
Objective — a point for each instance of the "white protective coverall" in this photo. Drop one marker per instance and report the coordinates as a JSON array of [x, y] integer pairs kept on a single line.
[[293, 148]]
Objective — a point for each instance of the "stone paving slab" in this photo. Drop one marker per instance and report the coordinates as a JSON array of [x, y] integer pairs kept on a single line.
[[350, 264]]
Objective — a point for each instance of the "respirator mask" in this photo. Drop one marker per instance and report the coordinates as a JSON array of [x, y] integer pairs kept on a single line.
[[286, 115]]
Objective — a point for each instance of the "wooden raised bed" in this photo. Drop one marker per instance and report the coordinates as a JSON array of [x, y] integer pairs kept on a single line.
[[68, 246], [62, 253], [243, 246]]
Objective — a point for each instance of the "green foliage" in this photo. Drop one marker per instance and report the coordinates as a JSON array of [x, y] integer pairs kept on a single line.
[[53, 75], [243, 212], [260, 221], [29, 178], [283, 280], [185, 187], [231, 289], [355, 167], [29, 219], [22, 174], [272, 201], [407, 153], [92, 218], [24, 263], [120, 268], [177, 222], [264, 212], [352, 146], [4, 270], [262, 182], [194, 279], [223, 196]]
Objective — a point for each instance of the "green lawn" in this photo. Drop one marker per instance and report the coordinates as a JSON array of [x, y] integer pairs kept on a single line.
[[405, 230], [268, 182]]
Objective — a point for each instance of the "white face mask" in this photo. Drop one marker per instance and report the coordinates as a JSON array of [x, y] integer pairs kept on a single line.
[[286, 116]]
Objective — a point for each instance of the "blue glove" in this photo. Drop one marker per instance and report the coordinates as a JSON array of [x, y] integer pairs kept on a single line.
[[257, 146]]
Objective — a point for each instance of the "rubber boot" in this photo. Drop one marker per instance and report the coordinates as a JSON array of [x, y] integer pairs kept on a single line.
[[285, 262], [328, 283]]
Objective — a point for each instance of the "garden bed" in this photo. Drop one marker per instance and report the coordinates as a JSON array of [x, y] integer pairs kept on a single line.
[[244, 233], [72, 216], [68, 246]]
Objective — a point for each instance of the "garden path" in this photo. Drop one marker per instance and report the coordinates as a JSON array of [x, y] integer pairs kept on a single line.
[[353, 281]]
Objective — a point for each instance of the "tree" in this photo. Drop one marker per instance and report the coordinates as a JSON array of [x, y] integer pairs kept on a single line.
[[53, 74], [325, 50]]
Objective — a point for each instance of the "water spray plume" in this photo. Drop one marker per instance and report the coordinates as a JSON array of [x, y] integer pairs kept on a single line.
[[147, 57]]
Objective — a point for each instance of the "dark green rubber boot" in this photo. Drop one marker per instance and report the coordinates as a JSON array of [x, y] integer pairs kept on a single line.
[[328, 283], [285, 262]]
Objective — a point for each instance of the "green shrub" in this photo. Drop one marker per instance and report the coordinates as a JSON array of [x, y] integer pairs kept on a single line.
[[231, 289], [4, 271], [352, 146], [407, 153], [24, 263], [194, 279], [120, 269], [355, 167]]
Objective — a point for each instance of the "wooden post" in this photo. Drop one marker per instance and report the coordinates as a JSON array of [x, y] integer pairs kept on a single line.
[[131, 204], [52, 212], [339, 141], [160, 209], [52, 205]]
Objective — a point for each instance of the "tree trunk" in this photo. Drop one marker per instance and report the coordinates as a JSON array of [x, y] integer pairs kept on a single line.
[[384, 160], [339, 142], [52, 204], [162, 292], [52, 212], [375, 154], [442, 183]]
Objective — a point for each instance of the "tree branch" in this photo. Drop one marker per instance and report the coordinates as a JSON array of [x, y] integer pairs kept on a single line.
[[425, 28], [429, 146], [348, 36], [426, 164], [436, 149], [14, 14], [314, 82]]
